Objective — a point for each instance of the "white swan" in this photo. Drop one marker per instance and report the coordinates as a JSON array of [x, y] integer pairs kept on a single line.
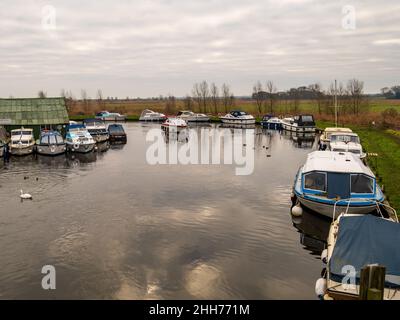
[[25, 195]]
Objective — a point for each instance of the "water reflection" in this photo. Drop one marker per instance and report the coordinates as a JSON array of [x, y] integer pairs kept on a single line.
[[300, 140], [116, 227], [313, 230]]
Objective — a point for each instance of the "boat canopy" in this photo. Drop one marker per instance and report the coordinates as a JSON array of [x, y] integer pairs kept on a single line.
[[76, 126], [364, 240], [339, 130], [339, 162]]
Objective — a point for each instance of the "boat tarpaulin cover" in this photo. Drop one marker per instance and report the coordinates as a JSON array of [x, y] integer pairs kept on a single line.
[[364, 240]]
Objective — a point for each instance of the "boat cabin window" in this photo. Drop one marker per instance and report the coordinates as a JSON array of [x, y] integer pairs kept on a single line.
[[315, 181], [344, 138], [361, 183], [116, 129], [19, 133], [44, 140], [52, 139]]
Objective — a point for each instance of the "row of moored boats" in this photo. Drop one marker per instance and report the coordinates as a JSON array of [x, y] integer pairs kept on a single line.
[[335, 182], [79, 137]]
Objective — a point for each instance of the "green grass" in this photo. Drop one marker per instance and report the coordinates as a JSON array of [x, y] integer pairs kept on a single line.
[[387, 165]]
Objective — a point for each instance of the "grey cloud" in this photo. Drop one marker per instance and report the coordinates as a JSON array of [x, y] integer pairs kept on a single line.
[[146, 48]]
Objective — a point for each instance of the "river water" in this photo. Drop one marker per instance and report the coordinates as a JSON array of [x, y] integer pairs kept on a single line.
[[116, 227]]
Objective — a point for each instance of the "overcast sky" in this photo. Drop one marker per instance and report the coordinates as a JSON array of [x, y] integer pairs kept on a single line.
[[151, 47]]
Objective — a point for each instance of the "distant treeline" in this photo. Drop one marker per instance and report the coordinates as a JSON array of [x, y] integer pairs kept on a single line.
[[209, 98]]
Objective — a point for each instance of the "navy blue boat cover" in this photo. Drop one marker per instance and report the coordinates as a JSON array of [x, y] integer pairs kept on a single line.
[[367, 239]]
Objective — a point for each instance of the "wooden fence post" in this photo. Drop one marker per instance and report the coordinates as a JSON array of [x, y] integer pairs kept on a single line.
[[372, 282]]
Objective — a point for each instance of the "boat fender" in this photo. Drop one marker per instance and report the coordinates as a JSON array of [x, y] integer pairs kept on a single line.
[[297, 210], [324, 256], [320, 288]]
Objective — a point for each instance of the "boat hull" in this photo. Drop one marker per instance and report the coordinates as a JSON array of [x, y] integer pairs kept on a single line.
[[110, 118], [238, 121], [81, 148], [290, 127], [51, 150], [153, 119], [272, 125], [99, 137], [195, 119], [21, 151], [326, 209]]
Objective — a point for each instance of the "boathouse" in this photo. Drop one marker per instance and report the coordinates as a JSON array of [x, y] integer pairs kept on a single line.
[[36, 113]]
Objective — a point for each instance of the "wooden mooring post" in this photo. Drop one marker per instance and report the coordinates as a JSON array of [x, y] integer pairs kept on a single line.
[[372, 282]]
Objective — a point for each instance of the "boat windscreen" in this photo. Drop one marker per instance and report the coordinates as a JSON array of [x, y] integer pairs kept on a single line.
[[364, 240], [116, 129]]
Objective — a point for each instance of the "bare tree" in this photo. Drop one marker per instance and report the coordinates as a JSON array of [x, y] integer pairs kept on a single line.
[[196, 92], [319, 96], [214, 97], [355, 88], [271, 91], [228, 98], [259, 96], [85, 101], [42, 94], [205, 95], [63, 93], [170, 105], [188, 102], [99, 98]]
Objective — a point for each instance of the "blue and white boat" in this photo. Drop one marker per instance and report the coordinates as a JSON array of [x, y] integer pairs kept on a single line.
[[271, 122], [78, 139], [330, 183], [50, 143]]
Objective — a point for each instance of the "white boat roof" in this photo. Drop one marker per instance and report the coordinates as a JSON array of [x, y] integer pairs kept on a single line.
[[342, 133], [22, 129], [333, 129], [341, 162]]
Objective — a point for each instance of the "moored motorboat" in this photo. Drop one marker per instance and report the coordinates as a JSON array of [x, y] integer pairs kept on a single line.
[[301, 124], [22, 142], [332, 182], [150, 115], [78, 139], [97, 129], [110, 116], [325, 137], [190, 116], [50, 143], [238, 117], [174, 124], [117, 133], [271, 122], [346, 142], [354, 242]]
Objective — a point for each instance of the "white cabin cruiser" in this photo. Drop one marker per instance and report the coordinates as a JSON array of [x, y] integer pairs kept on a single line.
[[78, 139], [332, 182], [238, 117], [346, 142], [22, 142], [150, 115], [325, 137], [190, 116], [300, 124], [172, 124], [97, 129], [110, 116]]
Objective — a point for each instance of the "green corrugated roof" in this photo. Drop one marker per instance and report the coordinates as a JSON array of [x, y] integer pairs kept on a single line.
[[33, 111]]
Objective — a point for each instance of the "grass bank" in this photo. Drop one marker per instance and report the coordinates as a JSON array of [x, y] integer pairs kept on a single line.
[[386, 166]]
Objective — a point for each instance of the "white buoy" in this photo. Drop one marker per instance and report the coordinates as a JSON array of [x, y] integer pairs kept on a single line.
[[324, 256], [25, 195], [320, 288], [297, 210]]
